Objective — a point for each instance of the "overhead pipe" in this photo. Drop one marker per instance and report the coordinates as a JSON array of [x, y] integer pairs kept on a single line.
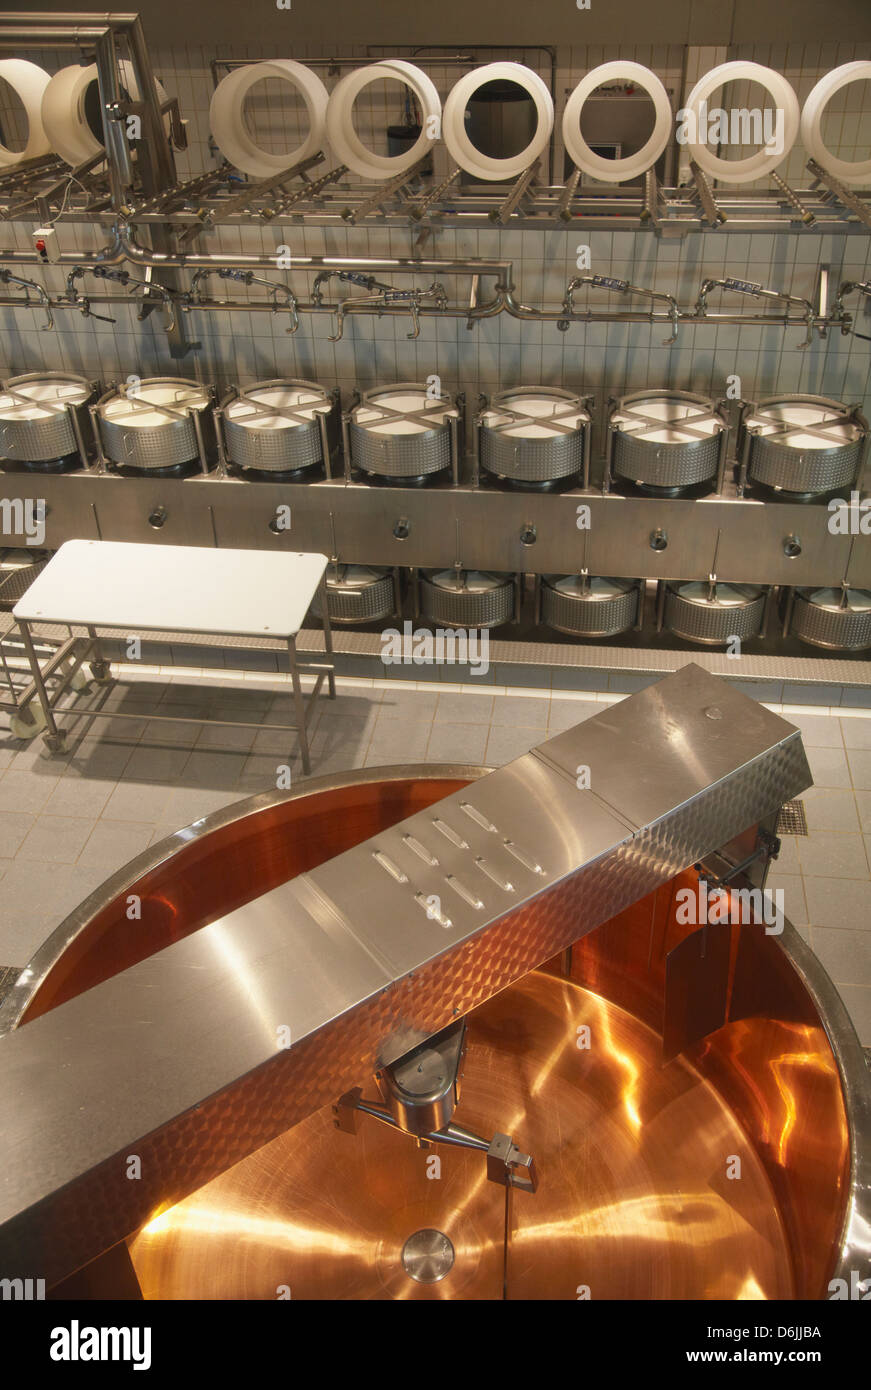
[[7, 278], [249, 306], [124, 247], [113, 254], [74, 19], [196, 260]]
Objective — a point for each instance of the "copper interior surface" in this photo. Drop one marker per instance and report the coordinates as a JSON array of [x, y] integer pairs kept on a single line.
[[634, 1198]]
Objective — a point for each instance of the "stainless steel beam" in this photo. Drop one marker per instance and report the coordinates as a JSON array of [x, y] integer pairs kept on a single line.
[[748, 534], [178, 1060]]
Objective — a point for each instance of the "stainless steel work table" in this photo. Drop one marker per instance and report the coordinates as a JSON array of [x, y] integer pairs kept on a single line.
[[147, 589]]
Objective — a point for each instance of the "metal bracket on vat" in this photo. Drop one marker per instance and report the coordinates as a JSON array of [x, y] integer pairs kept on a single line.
[[420, 1092], [698, 983]]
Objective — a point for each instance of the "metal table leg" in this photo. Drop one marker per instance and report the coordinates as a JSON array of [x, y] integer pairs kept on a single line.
[[299, 705], [99, 664], [328, 635], [54, 737]]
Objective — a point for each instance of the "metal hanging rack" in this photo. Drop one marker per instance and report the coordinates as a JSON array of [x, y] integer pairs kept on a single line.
[[144, 186]]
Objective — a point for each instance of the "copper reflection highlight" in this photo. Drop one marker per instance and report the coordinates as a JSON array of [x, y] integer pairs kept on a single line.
[[771, 1063], [633, 1199]]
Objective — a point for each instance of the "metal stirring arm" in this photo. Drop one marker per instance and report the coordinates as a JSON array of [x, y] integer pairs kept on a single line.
[[758, 292], [7, 278], [607, 282], [506, 1164], [420, 1092]]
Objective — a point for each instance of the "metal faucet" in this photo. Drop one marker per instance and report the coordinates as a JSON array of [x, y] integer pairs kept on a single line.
[[758, 292], [247, 277], [607, 282], [7, 278]]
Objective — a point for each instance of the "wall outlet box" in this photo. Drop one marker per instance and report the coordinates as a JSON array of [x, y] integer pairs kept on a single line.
[[45, 242]]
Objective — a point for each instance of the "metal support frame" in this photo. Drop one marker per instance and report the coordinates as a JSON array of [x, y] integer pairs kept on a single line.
[[417, 211], [384, 192], [849, 200], [713, 212], [60, 668], [513, 199], [564, 206], [792, 198], [243, 201], [77, 650], [650, 206], [413, 526]]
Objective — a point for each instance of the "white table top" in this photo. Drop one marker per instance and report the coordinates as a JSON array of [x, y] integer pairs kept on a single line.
[[174, 588]]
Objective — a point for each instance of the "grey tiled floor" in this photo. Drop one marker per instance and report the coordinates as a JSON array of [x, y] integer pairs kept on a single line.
[[68, 821]]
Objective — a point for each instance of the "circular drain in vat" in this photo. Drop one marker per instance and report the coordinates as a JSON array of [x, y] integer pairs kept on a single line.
[[427, 1256]]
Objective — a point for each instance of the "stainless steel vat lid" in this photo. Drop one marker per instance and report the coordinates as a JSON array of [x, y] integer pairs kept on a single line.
[[354, 576], [398, 410], [361, 958], [592, 589], [835, 601], [45, 397], [827, 425], [466, 581], [306, 402], [683, 421], [131, 409], [724, 595], [535, 413]]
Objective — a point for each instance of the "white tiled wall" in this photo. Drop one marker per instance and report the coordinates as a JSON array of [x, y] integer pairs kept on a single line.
[[604, 359]]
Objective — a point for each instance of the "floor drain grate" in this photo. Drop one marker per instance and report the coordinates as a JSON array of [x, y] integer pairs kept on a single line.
[[792, 819]]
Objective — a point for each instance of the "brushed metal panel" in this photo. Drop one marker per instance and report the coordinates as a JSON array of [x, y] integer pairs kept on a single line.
[[750, 533], [710, 620], [572, 613], [650, 754], [844, 629]]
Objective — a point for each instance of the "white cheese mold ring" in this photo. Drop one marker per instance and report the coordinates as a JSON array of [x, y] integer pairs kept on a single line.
[[756, 165], [28, 82], [64, 113], [460, 147], [227, 118], [634, 165], [346, 144], [853, 171]]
